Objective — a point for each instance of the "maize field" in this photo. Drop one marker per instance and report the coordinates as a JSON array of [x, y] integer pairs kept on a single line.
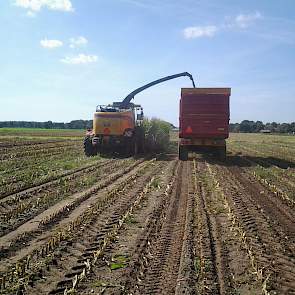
[[146, 225]]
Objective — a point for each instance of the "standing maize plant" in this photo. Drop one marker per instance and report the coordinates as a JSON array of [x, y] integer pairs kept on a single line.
[[156, 134]]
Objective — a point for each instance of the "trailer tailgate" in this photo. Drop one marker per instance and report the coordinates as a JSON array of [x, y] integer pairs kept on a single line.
[[204, 113]]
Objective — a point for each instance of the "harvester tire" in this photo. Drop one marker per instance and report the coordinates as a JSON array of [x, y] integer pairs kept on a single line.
[[135, 148], [89, 149], [182, 153], [139, 138]]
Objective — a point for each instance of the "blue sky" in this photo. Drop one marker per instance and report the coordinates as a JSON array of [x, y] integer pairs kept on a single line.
[[61, 58]]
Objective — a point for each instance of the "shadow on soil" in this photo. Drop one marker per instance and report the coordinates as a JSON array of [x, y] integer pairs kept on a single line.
[[251, 161], [239, 160], [158, 156]]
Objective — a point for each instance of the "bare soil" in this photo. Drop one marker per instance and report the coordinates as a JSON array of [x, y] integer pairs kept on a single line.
[[157, 226]]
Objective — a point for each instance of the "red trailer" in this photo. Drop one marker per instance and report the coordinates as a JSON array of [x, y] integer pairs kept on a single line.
[[203, 121]]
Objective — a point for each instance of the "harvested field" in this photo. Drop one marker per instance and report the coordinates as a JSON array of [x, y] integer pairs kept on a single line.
[[154, 225]]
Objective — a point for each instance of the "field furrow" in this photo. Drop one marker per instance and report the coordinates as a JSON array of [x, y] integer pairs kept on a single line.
[[267, 229], [66, 227], [147, 225]]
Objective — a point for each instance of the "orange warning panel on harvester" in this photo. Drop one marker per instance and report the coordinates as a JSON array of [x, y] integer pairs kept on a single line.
[[106, 131], [113, 123]]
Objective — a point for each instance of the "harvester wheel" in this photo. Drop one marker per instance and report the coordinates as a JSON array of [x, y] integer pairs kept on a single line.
[[135, 148], [89, 149], [139, 138], [182, 153]]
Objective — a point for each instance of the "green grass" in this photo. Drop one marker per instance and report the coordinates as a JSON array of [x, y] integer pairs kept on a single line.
[[264, 145], [272, 158], [262, 139], [37, 167], [32, 132]]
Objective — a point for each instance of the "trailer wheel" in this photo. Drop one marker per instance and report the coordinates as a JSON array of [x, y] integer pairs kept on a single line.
[[221, 153], [182, 153], [89, 149]]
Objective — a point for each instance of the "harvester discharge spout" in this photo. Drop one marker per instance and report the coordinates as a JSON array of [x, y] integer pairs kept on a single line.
[[131, 95]]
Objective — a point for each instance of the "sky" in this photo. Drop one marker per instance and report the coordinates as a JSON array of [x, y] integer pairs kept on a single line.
[[61, 58]]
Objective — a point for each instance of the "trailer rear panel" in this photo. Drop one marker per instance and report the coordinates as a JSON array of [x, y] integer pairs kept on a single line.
[[204, 112], [204, 120]]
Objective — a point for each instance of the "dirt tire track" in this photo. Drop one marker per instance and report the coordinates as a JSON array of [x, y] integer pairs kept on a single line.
[[11, 201], [134, 238], [161, 275], [24, 208], [273, 252], [132, 276], [282, 183], [187, 271], [21, 193], [209, 280], [270, 203], [77, 251], [32, 227]]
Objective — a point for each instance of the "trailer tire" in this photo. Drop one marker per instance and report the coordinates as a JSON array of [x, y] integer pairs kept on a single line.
[[221, 153], [89, 149], [182, 153]]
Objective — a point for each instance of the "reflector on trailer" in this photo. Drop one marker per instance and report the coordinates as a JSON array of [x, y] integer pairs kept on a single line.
[[189, 129]]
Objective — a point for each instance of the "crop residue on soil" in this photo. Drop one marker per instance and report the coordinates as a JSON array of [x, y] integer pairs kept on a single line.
[[76, 225]]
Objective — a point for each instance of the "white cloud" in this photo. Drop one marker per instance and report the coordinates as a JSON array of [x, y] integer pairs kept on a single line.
[[241, 21], [80, 59], [245, 20], [51, 43], [77, 42], [199, 31], [30, 14], [36, 5]]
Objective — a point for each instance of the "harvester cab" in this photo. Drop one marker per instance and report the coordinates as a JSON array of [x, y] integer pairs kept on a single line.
[[118, 126]]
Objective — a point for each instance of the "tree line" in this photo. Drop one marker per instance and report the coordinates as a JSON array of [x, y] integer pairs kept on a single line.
[[244, 126], [75, 124], [259, 126]]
